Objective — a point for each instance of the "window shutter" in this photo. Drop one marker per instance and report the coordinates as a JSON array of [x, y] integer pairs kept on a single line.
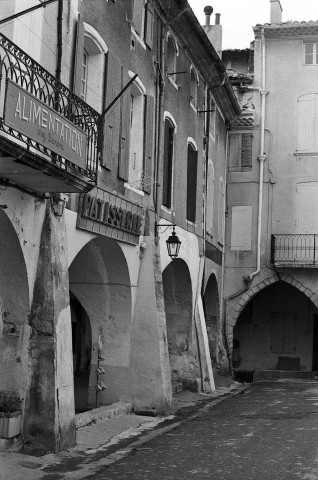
[[234, 151], [125, 120], [148, 150], [308, 123], [138, 12], [246, 150], [112, 117], [149, 25], [192, 183], [241, 229], [78, 58], [167, 164]]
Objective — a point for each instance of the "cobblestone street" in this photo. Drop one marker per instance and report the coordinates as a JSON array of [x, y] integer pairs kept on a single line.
[[268, 432]]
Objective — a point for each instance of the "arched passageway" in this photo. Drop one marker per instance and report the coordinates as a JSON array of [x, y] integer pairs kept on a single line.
[[99, 280], [82, 352], [276, 331], [212, 317], [14, 310], [182, 344]]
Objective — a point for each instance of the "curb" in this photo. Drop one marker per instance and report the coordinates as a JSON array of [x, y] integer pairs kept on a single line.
[[101, 413]]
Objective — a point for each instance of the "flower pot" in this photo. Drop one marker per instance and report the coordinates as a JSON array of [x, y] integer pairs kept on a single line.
[[10, 424]]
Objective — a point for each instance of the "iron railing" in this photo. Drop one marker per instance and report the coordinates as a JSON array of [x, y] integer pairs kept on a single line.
[[17, 66], [294, 249]]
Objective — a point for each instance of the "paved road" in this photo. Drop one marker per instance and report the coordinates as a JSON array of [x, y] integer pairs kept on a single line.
[[269, 432]]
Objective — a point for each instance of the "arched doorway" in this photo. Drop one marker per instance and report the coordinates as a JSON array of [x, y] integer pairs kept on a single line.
[[82, 353], [182, 345], [101, 305], [275, 331], [211, 307]]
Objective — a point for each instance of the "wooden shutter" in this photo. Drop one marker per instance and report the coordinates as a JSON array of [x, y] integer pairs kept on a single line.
[[241, 228], [125, 125], [78, 58], [112, 117], [192, 183], [308, 123], [148, 150], [138, 13], [246, 150], [234, 151], [149, 16], [167, 164]]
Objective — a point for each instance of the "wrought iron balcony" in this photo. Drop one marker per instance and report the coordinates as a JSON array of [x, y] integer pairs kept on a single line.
[[294, 250], [48, 135]]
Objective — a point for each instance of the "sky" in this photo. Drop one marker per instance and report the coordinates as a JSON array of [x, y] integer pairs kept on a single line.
[[239, 16]]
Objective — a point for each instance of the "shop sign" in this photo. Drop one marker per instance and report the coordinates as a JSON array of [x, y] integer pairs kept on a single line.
[[107, 214], [26, 114]]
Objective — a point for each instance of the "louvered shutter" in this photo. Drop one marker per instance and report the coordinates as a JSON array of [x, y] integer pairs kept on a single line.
[[234, 151], [192, 183], [112, 117], [308, 123], [149, 25], [246, 150], [125, 125], [78, 58], [241, 228], [167, 164], [148, 151]]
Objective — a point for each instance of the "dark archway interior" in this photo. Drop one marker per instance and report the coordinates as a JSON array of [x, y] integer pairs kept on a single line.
[[275, 331], [212, 316]]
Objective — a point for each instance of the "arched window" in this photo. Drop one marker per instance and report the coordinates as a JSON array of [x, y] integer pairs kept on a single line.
[[192, 182], [172, 53], [169, 133], [221, 212], [137, 106], [210, 199], [93, 68], [194, 82]]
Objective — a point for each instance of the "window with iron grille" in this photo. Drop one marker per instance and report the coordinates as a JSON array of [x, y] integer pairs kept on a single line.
[[192, 183], [240, 151], [167, 164]]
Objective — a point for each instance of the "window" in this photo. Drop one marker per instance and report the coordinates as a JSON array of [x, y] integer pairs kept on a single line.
[[137, 105], [143, 15], [210, 200], [241, 228], [194, 82], [28, 28], [167, 163], [192, 182], [84, 76], [311, 53], [212, 113], [172, 53], [308, 124], [240, 151], [221, 212]]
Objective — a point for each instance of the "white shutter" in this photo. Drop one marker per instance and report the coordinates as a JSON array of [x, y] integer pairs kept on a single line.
[[308, 123], [241, 230]]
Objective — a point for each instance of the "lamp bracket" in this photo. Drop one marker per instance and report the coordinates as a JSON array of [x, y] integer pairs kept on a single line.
[[167, 225]]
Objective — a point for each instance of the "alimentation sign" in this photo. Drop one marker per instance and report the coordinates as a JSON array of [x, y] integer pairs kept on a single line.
[[107, 214], [26, 114]]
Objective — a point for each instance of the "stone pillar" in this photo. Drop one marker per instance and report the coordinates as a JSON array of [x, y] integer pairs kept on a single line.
[[49, 407]]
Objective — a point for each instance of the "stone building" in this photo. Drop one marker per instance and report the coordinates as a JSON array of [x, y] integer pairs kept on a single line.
[[270, 276], [114, 125]]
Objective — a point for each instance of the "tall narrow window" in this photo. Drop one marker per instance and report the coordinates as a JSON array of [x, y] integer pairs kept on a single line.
[[84, 75], [192, 183], [194, 82], [136, 149], [221, 212], [240, 151], [210, 200], [171, 58], [308, 123], [212, 113], [167, 164]]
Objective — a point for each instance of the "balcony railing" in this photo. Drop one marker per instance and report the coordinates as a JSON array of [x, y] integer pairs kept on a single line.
[[25, 74], [294, 250]]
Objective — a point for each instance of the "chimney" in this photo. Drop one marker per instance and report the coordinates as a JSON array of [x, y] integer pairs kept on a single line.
[[213, 32], [276, 11]]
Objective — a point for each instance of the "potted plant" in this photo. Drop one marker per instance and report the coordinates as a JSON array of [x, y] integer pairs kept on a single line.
[[10, 414]]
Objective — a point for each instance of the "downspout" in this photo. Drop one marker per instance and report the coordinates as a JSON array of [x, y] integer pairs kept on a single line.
[[262, 157], [59, 46]]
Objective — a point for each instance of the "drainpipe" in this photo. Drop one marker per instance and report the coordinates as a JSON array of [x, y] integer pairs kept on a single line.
[[262, 157], [59, 47]]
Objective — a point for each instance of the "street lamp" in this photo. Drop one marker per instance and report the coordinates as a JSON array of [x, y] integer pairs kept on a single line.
[[173, 242]]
